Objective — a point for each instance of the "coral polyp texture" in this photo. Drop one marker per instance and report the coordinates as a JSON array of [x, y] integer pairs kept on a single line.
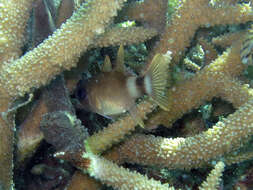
[[206, 126]]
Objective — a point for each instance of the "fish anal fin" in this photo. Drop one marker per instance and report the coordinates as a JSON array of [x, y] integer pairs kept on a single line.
[[107, 66], [120, 67]]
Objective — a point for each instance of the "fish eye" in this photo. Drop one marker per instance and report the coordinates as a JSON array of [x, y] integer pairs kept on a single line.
[[81, 93]]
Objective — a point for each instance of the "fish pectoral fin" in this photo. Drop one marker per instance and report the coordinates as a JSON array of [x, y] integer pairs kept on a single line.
[[156, 80], [136, 117], [107, 66]]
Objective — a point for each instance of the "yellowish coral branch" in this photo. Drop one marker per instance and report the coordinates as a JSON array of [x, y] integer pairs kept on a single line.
[[227, 40], [193, 14], [41, 64], [13, 18], [191, 152], [6, 150], [120, 178], [237, 157], [214, 178], [205, 85], [104, 139], [124, 36]]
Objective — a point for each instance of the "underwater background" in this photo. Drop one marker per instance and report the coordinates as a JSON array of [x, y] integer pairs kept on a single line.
[[183, 101]]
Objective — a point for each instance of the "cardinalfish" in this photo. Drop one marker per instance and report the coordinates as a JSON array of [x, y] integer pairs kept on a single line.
[[114, 91]]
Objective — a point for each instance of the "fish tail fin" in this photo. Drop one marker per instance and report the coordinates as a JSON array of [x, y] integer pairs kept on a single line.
[[156, 78], [246, 51]]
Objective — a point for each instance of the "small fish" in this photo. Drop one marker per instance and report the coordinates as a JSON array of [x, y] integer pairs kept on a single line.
[[113, 91], [246, 51]]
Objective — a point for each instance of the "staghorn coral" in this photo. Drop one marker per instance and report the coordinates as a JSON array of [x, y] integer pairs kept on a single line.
[[118, 177], [13, 18], [227, 40], [217, 79], [14, 14], [149, 12], [125, 36], [185, 22], [213, 179], [19, 76], [188, 95], [115, 132], [190, 152]]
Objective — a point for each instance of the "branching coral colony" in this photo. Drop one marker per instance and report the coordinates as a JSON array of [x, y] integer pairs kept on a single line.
[[91, 26]]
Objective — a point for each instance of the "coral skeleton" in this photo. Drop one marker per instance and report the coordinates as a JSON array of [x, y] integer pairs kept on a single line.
[[74, 28]]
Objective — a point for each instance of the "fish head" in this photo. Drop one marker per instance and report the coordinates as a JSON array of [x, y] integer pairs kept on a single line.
[[81, 93]]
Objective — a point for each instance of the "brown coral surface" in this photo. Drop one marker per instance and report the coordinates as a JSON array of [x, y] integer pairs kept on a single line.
[[45, 136]]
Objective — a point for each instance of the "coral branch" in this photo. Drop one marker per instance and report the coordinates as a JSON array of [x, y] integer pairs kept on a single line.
[[214, 178], [13, 18], [115, 132], [6, 148], [82, 181], [41, 64], [191, 152], [227, 40], [151, 13], [203, 86], [91, 26], [120, 178], [193, 14], [124, 36]]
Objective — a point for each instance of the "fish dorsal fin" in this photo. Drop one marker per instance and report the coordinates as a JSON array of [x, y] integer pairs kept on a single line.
[[120, 60], [107, 66]]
